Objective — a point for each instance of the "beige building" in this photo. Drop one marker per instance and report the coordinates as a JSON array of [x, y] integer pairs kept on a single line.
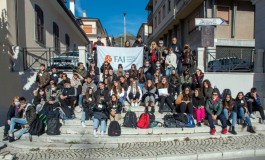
[[32, 30], [170, 18]]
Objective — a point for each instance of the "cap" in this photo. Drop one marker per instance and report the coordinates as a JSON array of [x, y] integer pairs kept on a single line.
[[160, 42]]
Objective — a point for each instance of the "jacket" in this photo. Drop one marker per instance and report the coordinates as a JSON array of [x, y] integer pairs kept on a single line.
[[101, 112], [30, 113], [55, 97], [86, 86], [215, 108], [76, 82], [129, 90], [180, 99], [117, 108], [234, 109], [37, 99], [43, 79], [69, 92], [177, 47], [55, 77], [207, 93], [196, 101], [257, 101], [138, 44], [104, 91], [149, 91], [171, 60], [11, 112], [82, 72]]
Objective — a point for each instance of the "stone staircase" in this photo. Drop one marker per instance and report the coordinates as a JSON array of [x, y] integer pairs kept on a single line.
[[74, 135]]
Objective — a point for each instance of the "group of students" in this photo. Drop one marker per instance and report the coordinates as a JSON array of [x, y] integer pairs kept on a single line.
[[100, 93]]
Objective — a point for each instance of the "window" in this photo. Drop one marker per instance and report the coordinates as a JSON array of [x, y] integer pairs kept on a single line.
[[223, 12], [39, 25], [169, 5], [87, 28], [164, 11], [159, 17], [67, 42], [56, 40]]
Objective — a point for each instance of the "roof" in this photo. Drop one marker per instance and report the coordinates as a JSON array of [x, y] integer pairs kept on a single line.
[[74, 20]]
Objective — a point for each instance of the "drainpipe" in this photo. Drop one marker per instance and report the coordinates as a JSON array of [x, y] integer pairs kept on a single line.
[[205, 9], [16, 18], [233, 33]]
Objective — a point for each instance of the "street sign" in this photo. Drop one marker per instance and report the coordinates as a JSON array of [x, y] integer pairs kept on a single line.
[[207, 36], [208, 21]]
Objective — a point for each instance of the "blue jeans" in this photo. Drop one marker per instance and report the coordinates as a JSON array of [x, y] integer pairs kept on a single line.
[[20, 121], [141, 85], [221, 117], [245, 117], [121, 100], [233, 116], [80, 99], [168, 71], [103, 124], [83, 117]]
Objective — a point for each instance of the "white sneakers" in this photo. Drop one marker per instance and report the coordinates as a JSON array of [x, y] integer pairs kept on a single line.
[[252, 116], [95, 133], [83, 124], [78, 108], [135, 104]]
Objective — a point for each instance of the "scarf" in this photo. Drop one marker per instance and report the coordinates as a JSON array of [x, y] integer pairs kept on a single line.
[[153, 58]]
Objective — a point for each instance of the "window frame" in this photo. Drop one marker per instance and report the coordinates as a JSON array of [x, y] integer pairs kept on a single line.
[[39, 25], [56, 37]]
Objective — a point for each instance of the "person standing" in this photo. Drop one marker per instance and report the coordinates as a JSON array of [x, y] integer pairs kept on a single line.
[[178, 51], [160, 49], [170, 62], [94, 48], [43, 77]]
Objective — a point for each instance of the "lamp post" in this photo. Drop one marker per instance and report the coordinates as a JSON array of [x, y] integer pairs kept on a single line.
[[124, 15]]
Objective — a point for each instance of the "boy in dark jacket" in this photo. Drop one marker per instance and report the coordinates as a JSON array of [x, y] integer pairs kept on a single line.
[[25, 116]]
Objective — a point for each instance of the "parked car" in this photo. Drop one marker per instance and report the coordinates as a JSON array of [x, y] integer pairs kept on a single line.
[[229, 64], [67, 60]]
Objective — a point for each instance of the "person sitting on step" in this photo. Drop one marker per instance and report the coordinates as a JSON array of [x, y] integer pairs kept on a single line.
[[254, 104], [165, 91], [88, 106], [184, 101], [25, 116], [214, 109], [100, 115], [134, 94], [149, 95], [230, 110], [39, 99], [118, 91], [243, 112], [198, 106], [115, 108]]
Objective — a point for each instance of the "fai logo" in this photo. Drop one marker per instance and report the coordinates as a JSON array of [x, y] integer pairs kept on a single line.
[[108, 58]]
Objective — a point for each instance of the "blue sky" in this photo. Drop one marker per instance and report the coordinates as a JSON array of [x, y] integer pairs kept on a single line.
[[110, 13]]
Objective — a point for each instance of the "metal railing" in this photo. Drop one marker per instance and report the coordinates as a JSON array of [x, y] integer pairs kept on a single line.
[[229, 59], [63, 60]]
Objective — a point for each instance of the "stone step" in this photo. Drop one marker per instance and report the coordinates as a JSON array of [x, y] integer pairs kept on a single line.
[[90, 139]]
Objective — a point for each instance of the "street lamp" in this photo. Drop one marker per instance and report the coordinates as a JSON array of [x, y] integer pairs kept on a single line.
[[124, 15]]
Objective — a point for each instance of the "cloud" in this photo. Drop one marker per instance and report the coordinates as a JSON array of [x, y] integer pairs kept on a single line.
[[79, 10]]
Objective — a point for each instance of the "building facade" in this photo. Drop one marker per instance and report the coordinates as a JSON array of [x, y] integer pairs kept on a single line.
[[38, 28], [144, 31], [176, 18]]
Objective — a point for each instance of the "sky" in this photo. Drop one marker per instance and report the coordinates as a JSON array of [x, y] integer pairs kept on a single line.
[[110, 13]]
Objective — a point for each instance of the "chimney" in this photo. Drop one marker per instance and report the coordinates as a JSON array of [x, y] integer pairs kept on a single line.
[[84, 13], [72, 6]]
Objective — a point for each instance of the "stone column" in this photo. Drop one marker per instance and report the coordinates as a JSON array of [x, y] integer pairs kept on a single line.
[[201, 59], [82, 55], [258, 63]]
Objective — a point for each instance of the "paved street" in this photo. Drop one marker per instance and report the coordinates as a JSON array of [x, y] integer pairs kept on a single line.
[[226, 148]]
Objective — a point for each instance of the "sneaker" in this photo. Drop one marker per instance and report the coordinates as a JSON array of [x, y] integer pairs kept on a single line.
[[133, 104], [224, 131], [5, 138], [95, 134], [102, 133], [199, 124], [251, 130], [213, 131], [244, 124], [78, 108], [11, 139], [83, 124], [136, 104], [252, 116]]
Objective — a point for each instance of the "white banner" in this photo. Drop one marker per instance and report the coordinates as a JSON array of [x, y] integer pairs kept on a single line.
[[118, 55]]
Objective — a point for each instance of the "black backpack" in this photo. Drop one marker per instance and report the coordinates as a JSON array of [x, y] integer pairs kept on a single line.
[[169, 121], [166, 108], [114, 129], [181, 117], [53, 123], [130, 120], [37, 127]]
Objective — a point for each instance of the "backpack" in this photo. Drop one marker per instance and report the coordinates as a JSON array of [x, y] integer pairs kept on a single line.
[[114, 129], [37, 127], [130, 120], [152, 121], [190, 123], [181, 117], [53, 123], [144, 120], [226, 92], [169, 121]]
